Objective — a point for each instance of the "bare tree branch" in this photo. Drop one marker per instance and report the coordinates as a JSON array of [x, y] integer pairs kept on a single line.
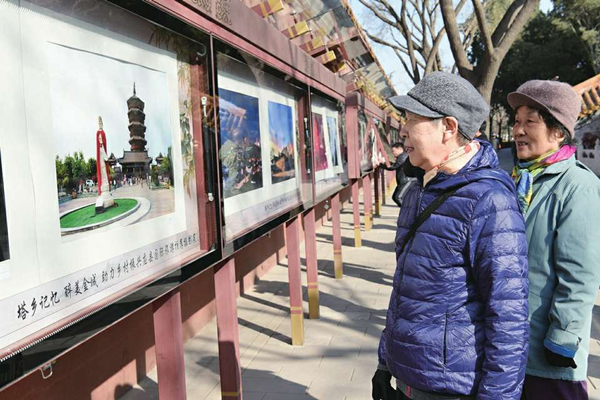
[[465, 68], [506, 21], [438, 40], [517, 26], [379, 14], [483, 26]]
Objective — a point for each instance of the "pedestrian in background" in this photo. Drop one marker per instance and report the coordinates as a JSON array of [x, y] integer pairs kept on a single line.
[[456, 326], [560, 199], [403, 182]]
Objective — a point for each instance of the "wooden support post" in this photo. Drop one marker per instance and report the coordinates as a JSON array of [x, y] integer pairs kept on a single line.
[[383, 182], [227, 331], [356, 213], [310, 243], [337, 236], [377, 186], [292, 242], [367, 200], [168, 340]]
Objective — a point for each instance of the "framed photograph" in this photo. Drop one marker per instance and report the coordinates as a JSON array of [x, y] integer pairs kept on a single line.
[[331, 166], [334, 141], [321, 162], [283, 150], [241, 156]]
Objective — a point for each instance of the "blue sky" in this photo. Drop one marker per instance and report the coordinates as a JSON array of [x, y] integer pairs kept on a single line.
[[250, 125], [390, 62], [280, 124]]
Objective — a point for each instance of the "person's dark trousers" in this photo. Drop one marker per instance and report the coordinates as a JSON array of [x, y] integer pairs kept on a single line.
[[536, 388], [400, 395]]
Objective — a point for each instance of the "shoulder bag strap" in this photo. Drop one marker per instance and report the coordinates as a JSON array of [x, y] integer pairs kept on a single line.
[[426, 213]]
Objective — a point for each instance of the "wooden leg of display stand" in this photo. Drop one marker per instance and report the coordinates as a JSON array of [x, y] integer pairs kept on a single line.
[[310, 242], [337, 237], [228, 333], [377, 187], [292, 240], [367, 201], [356, 214], [383, 181], [168, 341]]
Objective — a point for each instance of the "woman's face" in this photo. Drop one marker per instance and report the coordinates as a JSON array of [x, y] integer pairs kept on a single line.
[[532, 136]]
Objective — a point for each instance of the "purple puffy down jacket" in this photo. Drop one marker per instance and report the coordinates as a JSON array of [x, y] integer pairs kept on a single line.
[[457, 319]]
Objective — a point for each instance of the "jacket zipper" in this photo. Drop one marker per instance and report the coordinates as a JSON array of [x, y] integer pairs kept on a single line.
[[445, 336]]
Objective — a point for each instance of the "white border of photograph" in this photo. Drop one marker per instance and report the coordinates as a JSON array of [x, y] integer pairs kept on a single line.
[[269, 190], [20, 272]]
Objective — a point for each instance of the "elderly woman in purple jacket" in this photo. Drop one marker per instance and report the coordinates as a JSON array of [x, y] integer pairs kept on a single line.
[[456, 326]]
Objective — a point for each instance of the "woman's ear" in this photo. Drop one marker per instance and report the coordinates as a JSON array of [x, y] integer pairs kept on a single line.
[[450, 126], [560, 136]]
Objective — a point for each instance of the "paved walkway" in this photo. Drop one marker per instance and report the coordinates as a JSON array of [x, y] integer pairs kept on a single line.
[[339, 355]]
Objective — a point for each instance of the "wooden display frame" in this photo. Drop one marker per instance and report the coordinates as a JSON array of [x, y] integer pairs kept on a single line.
[[238, 26]]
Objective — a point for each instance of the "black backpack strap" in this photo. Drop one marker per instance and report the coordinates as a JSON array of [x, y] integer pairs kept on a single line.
[[426, 213]]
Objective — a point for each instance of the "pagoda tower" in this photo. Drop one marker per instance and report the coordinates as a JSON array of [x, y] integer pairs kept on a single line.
[[137, 129], [136, 162]]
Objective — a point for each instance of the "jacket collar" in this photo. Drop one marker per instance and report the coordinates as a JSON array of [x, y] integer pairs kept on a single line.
[[543, 191], [559, 167]]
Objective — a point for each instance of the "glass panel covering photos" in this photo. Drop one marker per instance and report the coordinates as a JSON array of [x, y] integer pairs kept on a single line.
[[382, 140], [394, 135], [100, 174], [367, 146], [260, 158], [329, 146]]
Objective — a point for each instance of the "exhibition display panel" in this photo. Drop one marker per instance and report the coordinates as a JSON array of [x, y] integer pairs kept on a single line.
[[329, 141], [106, 187], [261, 148], [142, 142]]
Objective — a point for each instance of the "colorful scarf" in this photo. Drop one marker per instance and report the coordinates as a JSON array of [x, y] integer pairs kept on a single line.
[[469, 149], [525, 172]]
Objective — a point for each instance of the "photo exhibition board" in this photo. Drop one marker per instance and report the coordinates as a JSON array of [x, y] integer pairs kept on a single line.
[[260, 165], [97, 162], [329, 152]]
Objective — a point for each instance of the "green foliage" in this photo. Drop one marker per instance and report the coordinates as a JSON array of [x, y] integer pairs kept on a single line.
[[545, 50], [154, 175], [73, 169], [166, 166], [583, 18]]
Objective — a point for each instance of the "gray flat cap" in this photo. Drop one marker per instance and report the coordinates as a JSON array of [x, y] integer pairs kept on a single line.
[[441, 94]]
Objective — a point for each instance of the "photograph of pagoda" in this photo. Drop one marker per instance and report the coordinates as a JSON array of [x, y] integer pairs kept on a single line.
[[113, 139]]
